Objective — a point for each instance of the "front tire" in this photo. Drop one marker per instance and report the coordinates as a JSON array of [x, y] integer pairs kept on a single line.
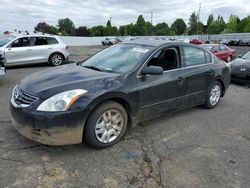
[[56, 59], [106, 125], [213, 95]]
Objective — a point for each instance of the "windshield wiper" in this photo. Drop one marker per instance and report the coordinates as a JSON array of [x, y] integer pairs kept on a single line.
[[94, 68]]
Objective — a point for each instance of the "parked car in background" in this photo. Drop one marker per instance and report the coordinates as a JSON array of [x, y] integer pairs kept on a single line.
[[196, 41], [31, 49], [2, 68], [99, 98], [241, 68], [221, 51], [110, 41]]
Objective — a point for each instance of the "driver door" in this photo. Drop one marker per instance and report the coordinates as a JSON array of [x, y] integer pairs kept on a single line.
[[164, 93], [19, 52]]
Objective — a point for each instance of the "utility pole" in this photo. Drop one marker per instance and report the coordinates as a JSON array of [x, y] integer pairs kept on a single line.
[[152, 14], [198, 19]]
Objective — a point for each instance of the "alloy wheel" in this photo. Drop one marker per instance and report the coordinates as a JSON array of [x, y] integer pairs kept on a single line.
[[109, 126], [215, 95], [57, 59]]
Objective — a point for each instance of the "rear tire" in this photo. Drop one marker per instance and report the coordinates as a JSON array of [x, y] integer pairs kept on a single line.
[[56, 59], [106, 125], [213, 95]]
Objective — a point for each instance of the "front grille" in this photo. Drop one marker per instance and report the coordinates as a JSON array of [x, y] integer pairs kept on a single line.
[[23, 98]]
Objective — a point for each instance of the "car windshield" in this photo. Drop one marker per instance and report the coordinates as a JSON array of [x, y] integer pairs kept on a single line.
[[5, 39], [246, 56], [120, 58]]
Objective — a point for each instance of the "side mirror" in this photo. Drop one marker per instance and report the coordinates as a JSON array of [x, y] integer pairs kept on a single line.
[[152, 70]]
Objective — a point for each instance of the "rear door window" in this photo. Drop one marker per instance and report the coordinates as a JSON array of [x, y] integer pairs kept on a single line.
[[208, 57], [194, 56], [39, 41]]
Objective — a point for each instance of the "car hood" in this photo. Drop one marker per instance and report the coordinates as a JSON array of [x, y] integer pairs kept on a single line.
[[55, 80], [239, 62]]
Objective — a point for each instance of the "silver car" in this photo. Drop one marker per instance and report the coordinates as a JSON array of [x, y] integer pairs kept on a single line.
[[31, 49]]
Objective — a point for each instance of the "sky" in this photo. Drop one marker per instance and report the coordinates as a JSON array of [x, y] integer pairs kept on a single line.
[[25, 14]]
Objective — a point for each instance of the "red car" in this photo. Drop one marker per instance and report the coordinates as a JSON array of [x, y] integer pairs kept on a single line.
[[196, 41], [221, 51]]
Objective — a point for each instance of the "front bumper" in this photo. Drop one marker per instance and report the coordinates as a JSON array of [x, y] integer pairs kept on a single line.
[[240, 75], [58, 128]]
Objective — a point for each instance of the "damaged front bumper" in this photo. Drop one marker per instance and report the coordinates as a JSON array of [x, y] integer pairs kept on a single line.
[[48, 128]]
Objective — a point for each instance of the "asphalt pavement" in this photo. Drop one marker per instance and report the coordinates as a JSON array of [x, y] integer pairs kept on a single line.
[[195, 148]]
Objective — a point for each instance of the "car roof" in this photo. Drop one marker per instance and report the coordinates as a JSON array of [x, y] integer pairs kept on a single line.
[[158, 43], [32, 35], [154, 43], [211, 44]]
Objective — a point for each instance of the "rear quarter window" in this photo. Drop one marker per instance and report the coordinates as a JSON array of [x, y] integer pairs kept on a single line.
[[52, 40]]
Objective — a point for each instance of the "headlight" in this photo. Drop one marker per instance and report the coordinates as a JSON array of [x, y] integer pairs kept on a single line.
[[61, 101]]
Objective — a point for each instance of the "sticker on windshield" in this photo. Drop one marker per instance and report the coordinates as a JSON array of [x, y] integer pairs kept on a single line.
[[141, 50]]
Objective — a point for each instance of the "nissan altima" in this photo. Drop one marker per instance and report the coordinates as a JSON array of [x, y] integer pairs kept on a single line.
[[96, 100]]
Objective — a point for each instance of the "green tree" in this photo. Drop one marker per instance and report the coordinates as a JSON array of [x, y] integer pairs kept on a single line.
[[193, 24], [161, 29], [110, 30], [217, 26], [178, 27], [122, 30], [243, 25], [66, 26], [130, 29], [82, 31], [42, 27], [247, 28], [53, 30], [97, 31], [210, 19], [231, 26], [140, 26]]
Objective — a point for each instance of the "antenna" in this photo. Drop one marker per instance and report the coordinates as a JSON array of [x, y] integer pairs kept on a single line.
[[198, 19]]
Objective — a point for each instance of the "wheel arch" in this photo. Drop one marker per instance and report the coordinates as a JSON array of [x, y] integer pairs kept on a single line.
[[117, 97], [102, 99], [56, 53], [220, 80]]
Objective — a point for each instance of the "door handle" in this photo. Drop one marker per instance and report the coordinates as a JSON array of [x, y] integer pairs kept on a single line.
[[50, 48], [180, 79], [211, 71]]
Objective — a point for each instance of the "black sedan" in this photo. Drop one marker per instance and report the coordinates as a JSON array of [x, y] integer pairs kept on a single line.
[[97, 100], [241, 69]]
